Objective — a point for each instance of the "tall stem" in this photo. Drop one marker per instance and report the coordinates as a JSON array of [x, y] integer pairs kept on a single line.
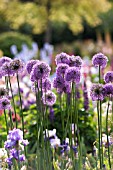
[[6, 122], [13, 101], [108, 135]]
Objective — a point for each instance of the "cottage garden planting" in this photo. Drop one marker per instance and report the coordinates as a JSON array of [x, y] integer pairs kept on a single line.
[[58, 124]]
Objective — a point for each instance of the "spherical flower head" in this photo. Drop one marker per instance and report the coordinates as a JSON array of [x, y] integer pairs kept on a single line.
[[62, 58], [30, 65], [15, 135], [72, 75], [16, 66], [99, 59], [46, 85], [6, 70], [61, 68], [40, 71], [97, 92], [49, 98], [75, 61], [5, 104], [58, 82], [108, 89], [3, 92], [5, 59], [66, 88], [108, 77]]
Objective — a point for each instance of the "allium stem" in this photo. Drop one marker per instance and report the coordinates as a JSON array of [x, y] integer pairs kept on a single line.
[[13, 101], [21, 110], [6, 122], [107, 135], [6, 81], [99, 150], [11, 121]]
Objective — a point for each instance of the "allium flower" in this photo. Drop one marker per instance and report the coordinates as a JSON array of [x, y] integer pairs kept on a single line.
[[99, 59], [61, 68], [72, 75], [40, 71], [3, 92], [58, 82], [108, 89], [16, 66], [108, 77], [30, 65], [97, 92], [66, 88], [5, 59], [5, 104], [6, 70], [46, 85], [62, 58], [49, 98], [15, 135], [75, 61]]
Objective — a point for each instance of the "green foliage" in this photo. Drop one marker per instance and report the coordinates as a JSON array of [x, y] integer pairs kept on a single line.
[[13, 38]]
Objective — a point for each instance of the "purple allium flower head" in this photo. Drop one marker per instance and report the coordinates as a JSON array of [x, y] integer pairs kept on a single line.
[[61, 68], [3, 92], [85, 94], [5, 59], [15, 135], [108, 77], [22, 158], [6, 69], [99, 59], [72, 75], [16, 66], [5, 104], [66, 88], [62, 58], [9, 144], [108, 89], [97, 92], [75, 61], [58, 82], [30, 65], [49, 98], [9, 161], [46, 85], [40, 71]]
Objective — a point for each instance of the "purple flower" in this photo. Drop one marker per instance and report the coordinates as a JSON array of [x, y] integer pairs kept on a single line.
[[22, 158], [16, 66], [49, 98], [108, 77], [108, 89], [30, 65], [6, 70], [97, 92], [51, 114], [66, 88], [40, 71], [99, 59], [72, 75], [61, 68], [9, 161], [75, 61], [25, 142], [5, 104], [15, 135], [62, 58], [14, 153], [9, 144], [46, 85], [85, 94], [4, 59], [58, 82]]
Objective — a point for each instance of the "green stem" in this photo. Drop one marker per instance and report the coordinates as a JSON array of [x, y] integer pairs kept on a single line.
[[108, 136], [6, 122], [13, 101], [21, 110], [11, 121]]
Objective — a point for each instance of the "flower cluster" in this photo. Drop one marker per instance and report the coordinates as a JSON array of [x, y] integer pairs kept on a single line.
[[13, 145]]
